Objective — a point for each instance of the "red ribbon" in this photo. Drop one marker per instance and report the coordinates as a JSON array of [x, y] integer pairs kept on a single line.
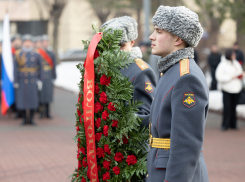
[[89, 108], [46, 57]]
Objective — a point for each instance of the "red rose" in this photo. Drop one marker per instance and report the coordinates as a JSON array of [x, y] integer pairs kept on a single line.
[[96, 54], [96, 89], [106, 176], [79, 164], [114, 123], [106, 165], [118, 157], [111, 107], [79, 112], [100, 152], [85, 162], [83, 179], [83, 150], [98, 136], [104, 80], [103, 98], [105, 130], [80, 119], [97, 107], [79, 97], [88, 174], [78, 154], [105, 115], [97, 122], [116, 170], [125, 140], [131, 160], [77, 127], [107, 149]]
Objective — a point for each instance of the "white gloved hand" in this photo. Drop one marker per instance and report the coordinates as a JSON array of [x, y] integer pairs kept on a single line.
[[16, 85], [39, 85]]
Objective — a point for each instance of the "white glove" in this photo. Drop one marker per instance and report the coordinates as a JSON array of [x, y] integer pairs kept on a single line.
[[16, 85], [39, 85]]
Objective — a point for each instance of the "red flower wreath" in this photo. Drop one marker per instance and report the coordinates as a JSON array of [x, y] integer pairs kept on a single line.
[[114, 123], [100, 152]]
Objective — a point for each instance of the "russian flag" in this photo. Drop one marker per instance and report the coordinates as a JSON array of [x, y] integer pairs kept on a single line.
[[7, 69]]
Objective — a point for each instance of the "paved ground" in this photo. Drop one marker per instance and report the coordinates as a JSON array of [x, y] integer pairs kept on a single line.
[[47, 153]]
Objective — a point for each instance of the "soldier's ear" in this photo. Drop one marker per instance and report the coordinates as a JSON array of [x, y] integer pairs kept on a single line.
[[178, 41], [132, 43]]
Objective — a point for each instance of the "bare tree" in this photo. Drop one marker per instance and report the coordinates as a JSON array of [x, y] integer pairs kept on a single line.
[[55, 9]]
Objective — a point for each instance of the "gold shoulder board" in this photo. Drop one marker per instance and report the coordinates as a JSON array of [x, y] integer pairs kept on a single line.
[[184, 67], [141, 64]]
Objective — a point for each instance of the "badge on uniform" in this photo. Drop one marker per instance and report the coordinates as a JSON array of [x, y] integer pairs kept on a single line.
[[148, 87], [189, 99]]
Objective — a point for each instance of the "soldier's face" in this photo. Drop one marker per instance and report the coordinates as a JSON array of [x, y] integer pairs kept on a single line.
[[162, 42]]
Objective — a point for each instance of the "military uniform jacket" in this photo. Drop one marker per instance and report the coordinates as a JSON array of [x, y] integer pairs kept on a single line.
[[26, 74], [144, 81], [179, 112], [49, 74]]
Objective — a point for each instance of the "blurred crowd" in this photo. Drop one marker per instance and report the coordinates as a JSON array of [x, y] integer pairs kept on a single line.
[[34, 73], [227, 74]]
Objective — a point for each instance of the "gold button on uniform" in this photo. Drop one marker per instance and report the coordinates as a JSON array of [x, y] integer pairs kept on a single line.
[[161, 74], [147, 176], [26, 81]]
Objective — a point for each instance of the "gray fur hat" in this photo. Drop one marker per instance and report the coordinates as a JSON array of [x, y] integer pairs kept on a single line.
[[128, 26], [45, 37], [27, 37], [179, 21]]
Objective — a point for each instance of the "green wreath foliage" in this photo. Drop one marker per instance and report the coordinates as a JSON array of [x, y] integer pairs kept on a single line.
[[119, 92]]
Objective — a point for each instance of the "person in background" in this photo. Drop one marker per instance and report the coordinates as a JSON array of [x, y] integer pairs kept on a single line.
[[27, 79], [213, 61], [15, 45], [140, 73], [49, 72], [37, 40], [239, 53], [229, 74]]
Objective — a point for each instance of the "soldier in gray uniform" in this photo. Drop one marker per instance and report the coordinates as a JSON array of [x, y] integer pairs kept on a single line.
[[140, 73], [180, 106], [27, 77], [49, 73]]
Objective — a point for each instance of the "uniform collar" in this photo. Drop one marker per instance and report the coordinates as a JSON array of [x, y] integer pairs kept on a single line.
[[164, 63], [136, 53]]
